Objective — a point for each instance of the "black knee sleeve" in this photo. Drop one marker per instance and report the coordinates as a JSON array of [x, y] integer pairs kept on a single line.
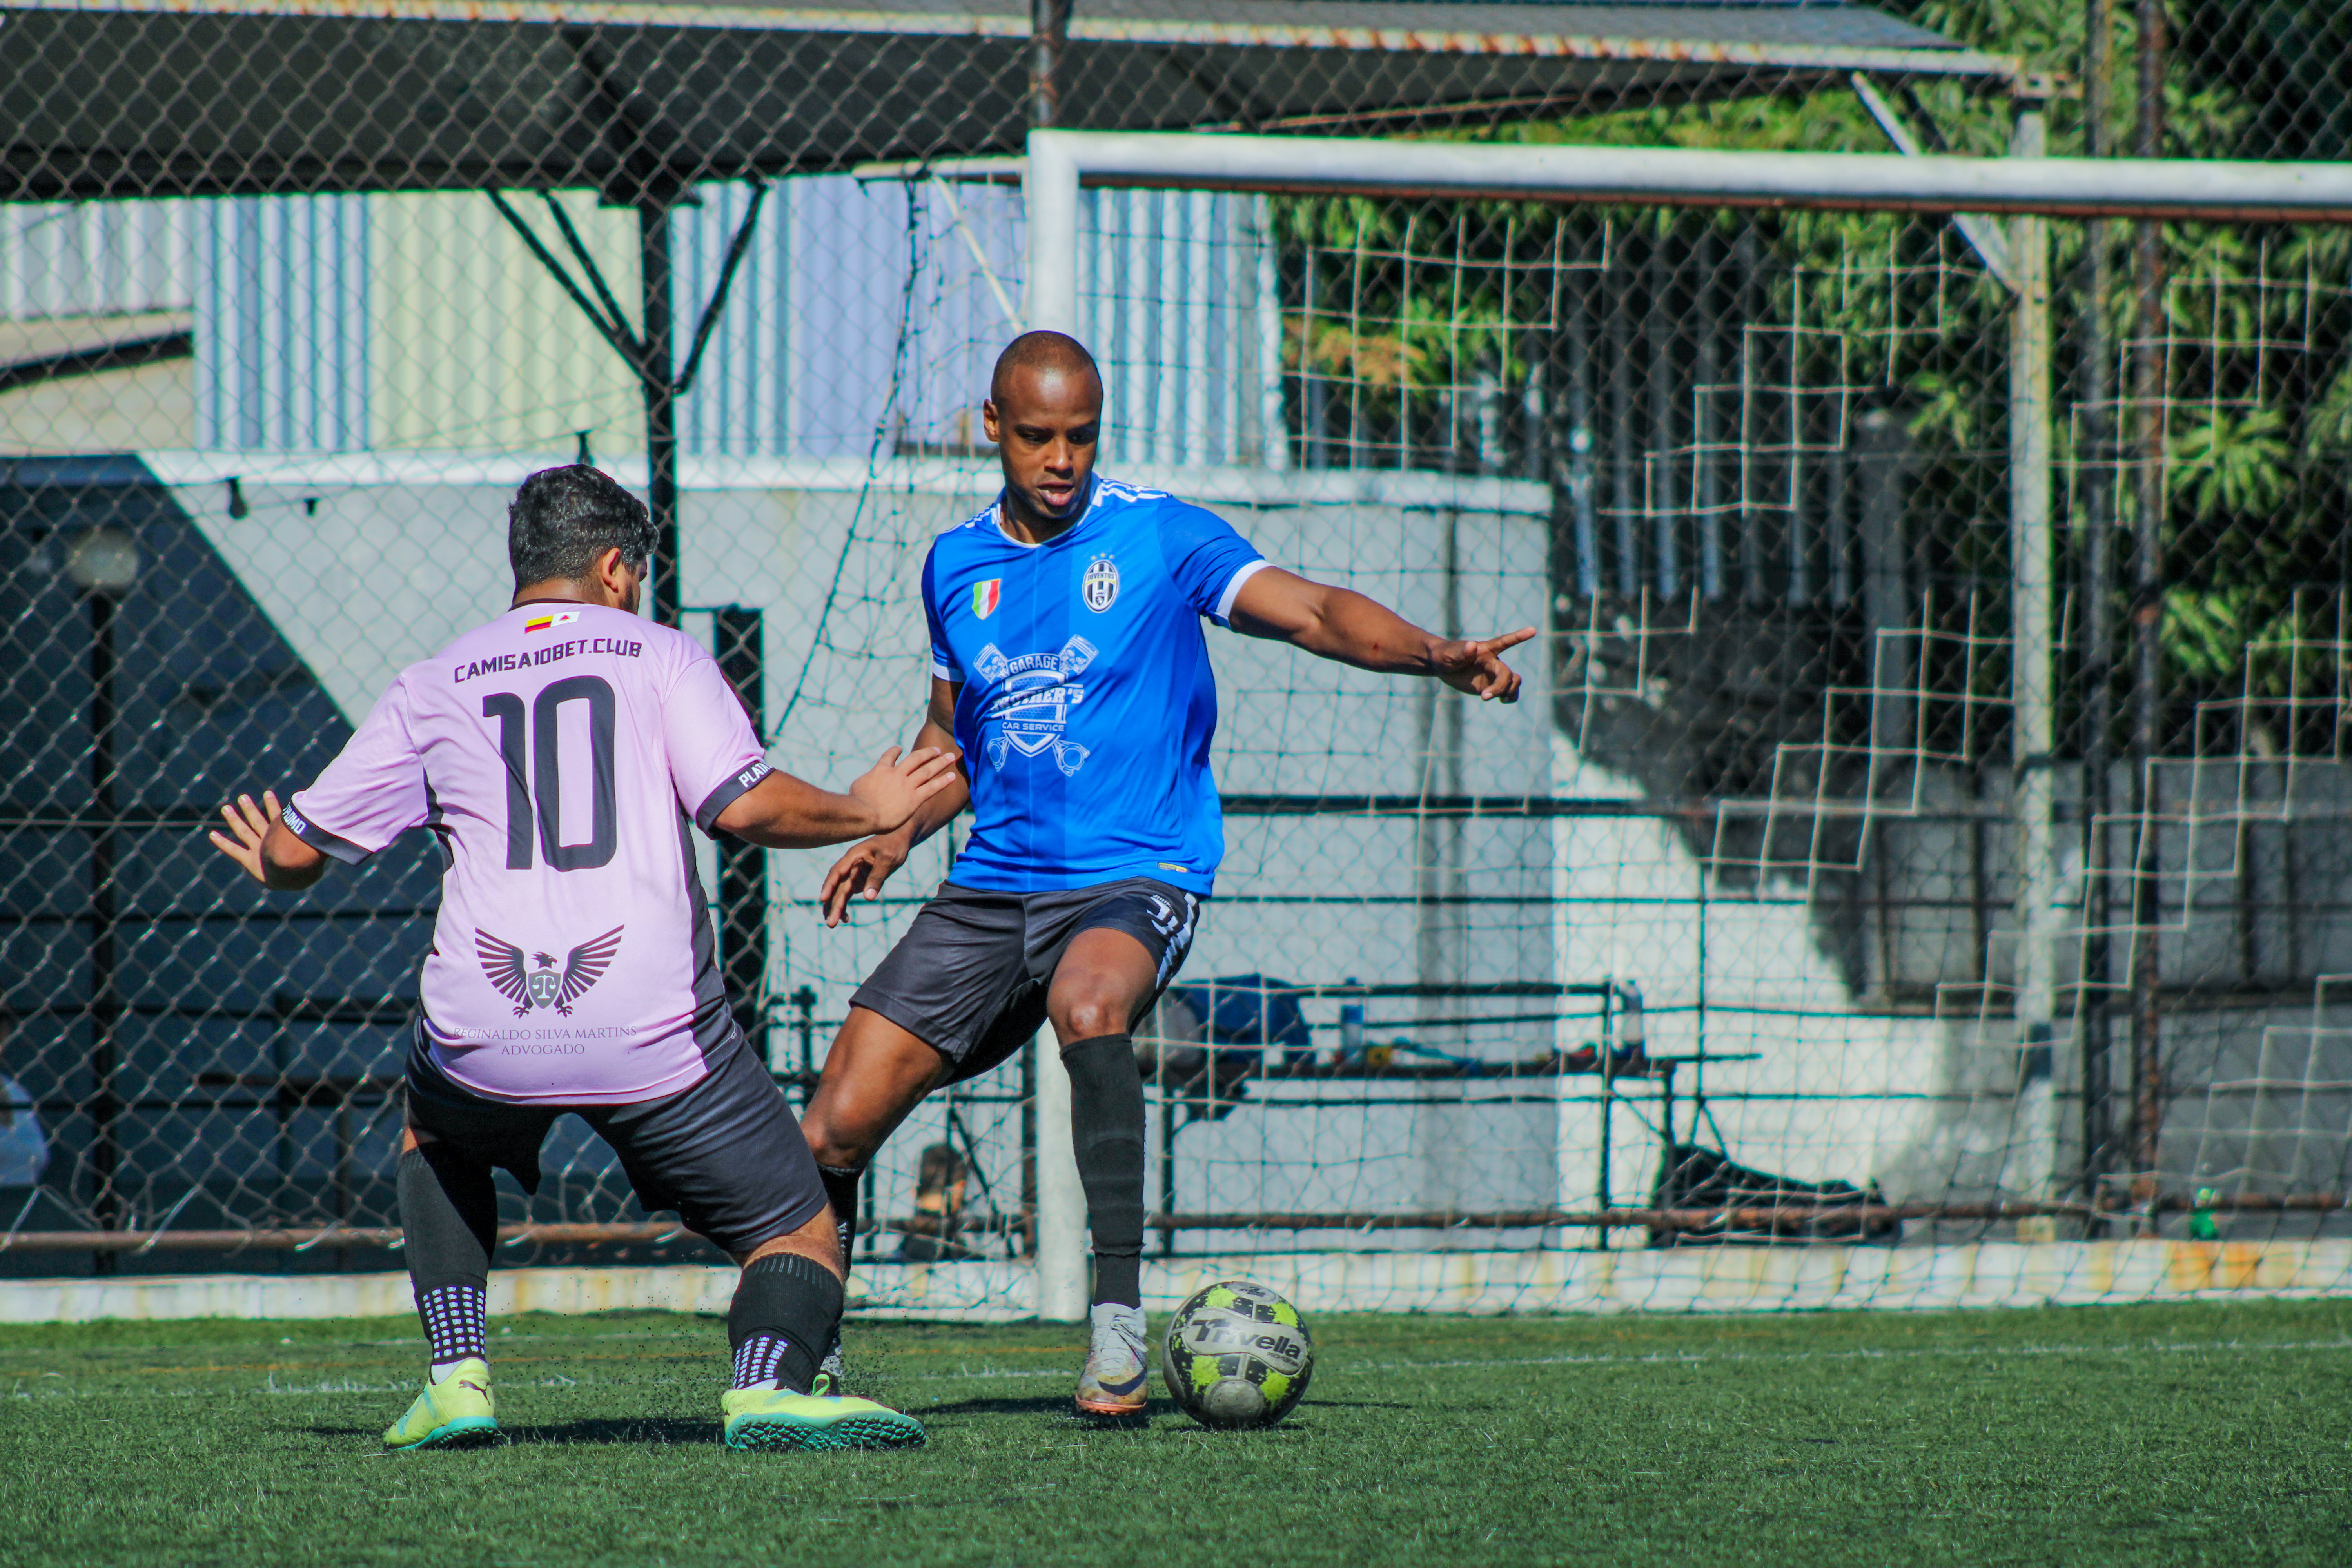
[[796, 1299], [1107, 1128], [448, 1217], [842, 1187]]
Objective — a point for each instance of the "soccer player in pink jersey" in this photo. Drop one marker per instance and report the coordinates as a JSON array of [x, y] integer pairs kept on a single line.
[[557, 753]]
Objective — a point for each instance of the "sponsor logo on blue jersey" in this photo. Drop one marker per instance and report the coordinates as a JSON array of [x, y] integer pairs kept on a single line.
[[1030, 707]]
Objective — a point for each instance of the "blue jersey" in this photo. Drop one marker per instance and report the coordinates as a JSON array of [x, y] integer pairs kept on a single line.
[[1088, 701]]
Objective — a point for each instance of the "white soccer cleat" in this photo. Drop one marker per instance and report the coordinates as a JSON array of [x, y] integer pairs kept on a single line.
[[1117, 1378]]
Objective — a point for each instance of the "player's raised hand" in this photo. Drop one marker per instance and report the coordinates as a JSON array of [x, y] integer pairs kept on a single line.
[[895, 786], [249, 824], [1477, 666]]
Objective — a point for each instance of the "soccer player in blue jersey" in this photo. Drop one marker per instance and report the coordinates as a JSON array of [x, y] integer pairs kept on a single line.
[[1068, 667]]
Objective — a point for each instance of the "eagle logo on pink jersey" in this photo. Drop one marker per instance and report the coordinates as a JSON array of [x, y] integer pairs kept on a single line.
[[535, 982]]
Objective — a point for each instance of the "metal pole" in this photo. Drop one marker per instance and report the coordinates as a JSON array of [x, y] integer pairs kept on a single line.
[[1441, 945], [1167, 1161], [1049, 29], [1617, 285], [803, 1001], [105, 1004], [2148, 507], [2097, 493], [2033, 628], [743, 867], [1665, 538], [661, 401]]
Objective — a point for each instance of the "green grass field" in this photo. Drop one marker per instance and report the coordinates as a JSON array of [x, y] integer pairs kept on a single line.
[[2213, 1434]]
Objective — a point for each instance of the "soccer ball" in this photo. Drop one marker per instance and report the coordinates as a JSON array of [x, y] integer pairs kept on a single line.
[[1237, 1355]]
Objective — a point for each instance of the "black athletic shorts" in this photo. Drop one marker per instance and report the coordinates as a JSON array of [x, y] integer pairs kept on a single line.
[[969, 978], [726, 1154]]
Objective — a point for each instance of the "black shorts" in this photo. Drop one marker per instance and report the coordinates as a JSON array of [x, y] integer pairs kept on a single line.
[[726, 1154], [969, 978]]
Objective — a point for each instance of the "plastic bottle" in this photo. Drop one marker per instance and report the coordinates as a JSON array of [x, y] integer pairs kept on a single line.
[[2200, 1218]]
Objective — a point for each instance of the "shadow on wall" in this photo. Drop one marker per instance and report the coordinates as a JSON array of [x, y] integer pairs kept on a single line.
[[163, 1003]]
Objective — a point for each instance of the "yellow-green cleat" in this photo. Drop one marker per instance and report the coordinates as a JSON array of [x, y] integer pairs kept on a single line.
[[454, 1412], [779, 1419]]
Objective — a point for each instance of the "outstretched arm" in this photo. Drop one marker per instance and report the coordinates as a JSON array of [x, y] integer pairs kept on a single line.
[[781, 812], [1338, 624], [865, 867], [264, 846]]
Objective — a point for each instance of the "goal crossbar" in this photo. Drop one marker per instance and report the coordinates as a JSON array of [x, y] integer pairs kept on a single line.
[[1060, 160]]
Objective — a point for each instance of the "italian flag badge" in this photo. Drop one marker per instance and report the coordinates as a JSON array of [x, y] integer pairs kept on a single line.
[[986, 596]]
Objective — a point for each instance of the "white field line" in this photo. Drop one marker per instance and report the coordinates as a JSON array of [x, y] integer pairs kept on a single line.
[[408, 1385], [1704, 1358]]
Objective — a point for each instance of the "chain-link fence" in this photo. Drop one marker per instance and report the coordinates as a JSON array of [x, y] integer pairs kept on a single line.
[[1842, 879]]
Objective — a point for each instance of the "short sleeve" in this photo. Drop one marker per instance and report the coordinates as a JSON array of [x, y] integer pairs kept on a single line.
[[943, 659], [1209, 560], [371, 793], [714, 753]]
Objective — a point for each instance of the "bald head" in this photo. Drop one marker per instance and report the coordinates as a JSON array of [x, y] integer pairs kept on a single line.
[[1044, 413], [1040, 357]]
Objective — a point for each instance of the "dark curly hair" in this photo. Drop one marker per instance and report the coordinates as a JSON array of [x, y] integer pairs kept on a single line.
[[561, 520]]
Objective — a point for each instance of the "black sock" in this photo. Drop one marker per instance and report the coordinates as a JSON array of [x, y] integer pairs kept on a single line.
[[842, 1184], [785, 1311], [1107, 1127], [448, 1221]]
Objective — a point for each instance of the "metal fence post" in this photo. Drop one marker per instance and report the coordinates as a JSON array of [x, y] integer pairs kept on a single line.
[[2149, 384], [105, 999], [661, 402], [2095, 499], [744, 936]]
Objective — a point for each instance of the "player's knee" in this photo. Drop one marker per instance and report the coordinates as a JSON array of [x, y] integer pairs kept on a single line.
[[828, 1148], [835, 1145], [1089, 1016]]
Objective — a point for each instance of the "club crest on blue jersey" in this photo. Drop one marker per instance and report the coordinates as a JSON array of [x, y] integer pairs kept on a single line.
[[986, 596], [1099, 587], [1031, 705]]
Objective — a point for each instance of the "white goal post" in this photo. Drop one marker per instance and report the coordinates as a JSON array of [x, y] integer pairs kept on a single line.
[[2028, 187]]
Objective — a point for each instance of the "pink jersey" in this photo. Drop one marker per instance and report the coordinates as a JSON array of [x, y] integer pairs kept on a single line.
[[558, 751]]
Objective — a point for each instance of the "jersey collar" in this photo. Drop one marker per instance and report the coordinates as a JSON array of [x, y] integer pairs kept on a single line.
[[1094, 499]]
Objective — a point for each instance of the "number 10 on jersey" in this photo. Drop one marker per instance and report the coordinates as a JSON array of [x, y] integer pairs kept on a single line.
[[529, 746]]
